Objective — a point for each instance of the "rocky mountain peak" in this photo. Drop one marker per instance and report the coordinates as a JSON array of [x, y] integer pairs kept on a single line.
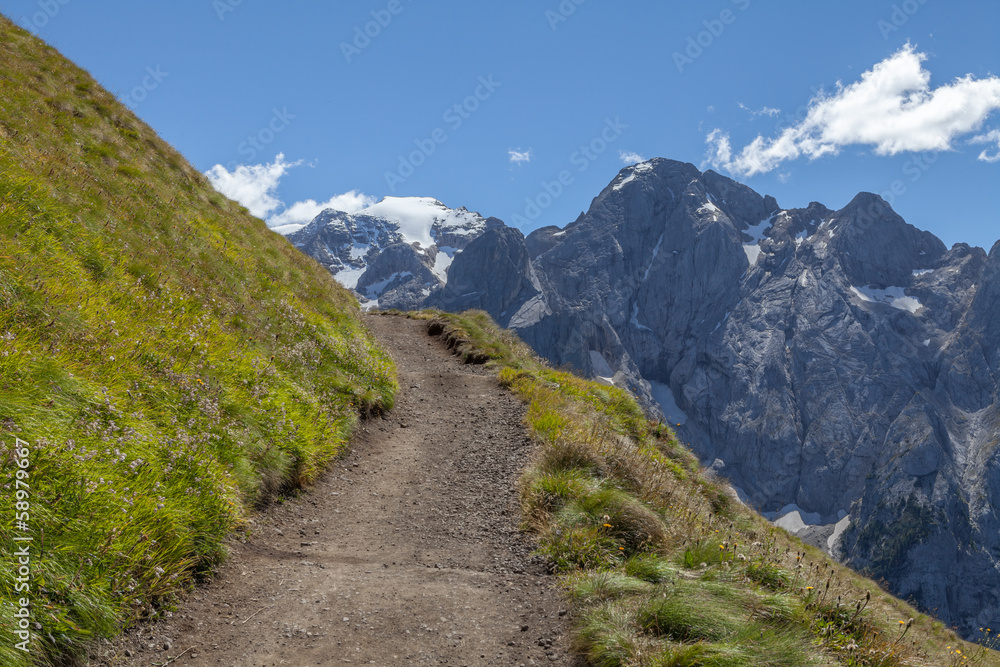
[[877, 247], [392, 253]]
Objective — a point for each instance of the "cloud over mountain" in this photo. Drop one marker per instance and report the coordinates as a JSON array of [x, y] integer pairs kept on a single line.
[[892, 109]]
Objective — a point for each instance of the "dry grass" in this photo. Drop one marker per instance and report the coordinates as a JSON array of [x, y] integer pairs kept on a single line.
[[664, 565]]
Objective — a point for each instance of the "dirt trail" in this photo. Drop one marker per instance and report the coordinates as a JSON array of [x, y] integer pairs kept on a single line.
[[406, 553]]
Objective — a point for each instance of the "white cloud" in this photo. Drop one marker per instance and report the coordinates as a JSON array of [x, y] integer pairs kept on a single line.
[[301, 213], [256, 187], [992, 137], [630, 157], [519, 156], [765, 111], [892, 108]]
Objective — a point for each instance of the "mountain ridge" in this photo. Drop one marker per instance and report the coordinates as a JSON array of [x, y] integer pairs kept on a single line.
[[831, 364]]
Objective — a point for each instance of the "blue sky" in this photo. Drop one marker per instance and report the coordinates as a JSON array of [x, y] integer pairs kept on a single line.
[[238, 82]]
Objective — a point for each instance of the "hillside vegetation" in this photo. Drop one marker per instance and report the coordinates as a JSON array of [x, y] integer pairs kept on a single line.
[[666, 567], [167, 361]]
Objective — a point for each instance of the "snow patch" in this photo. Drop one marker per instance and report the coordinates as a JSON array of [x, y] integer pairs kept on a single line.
[[643, 167], [375, 290], [656, 251], [709, 207], [759, 231], [358, 251], [640, 168], [664, 397], [441, 264], [890, 296], [838, 530], [922, 272], [757, 234], [600, 364], [625, 181], [635, 318], [349, 277], [792, 514]]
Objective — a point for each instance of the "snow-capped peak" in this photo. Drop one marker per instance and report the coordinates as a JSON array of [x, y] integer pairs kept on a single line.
[[633, 171], [421, 219], [420, 234]]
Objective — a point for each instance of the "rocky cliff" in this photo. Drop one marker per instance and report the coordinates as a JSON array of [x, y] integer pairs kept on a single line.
[[839, 367]]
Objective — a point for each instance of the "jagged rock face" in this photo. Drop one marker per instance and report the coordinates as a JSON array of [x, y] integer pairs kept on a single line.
[[398, 276], [841, 361], [508, 289], [394, 253], [342, 242]]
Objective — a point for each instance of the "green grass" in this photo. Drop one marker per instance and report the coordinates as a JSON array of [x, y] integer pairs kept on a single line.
[[663, 565], [170, 362]]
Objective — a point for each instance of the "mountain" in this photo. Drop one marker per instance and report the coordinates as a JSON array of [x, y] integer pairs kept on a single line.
[[840, 368], [393, 253], [167, 363]]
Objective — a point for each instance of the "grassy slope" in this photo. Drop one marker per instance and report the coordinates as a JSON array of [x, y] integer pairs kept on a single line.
[[666, 568], [169, 361]]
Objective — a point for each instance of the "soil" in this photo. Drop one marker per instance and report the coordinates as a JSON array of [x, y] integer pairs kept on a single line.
[[407, 552]]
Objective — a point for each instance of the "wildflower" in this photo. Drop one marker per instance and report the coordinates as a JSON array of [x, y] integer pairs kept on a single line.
[[607, 525]]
